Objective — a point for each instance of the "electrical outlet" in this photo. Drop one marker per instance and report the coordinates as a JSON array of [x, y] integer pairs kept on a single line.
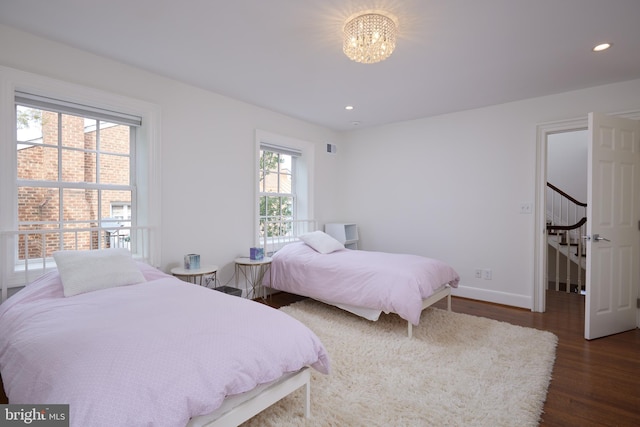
[[478, 274], [486, 274]]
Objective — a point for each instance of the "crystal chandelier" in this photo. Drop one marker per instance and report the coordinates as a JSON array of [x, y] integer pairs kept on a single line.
[[369, 37]]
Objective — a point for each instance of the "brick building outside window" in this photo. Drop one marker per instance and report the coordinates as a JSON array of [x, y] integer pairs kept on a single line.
[[74, 173]]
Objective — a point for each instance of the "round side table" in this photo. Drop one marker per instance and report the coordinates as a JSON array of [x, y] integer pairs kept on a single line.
[[193, 275], [253, 272]]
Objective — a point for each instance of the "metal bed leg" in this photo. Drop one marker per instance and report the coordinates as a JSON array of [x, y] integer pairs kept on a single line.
[[307, 401]]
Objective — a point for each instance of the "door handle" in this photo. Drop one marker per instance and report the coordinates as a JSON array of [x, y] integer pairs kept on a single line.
[[596, 238]]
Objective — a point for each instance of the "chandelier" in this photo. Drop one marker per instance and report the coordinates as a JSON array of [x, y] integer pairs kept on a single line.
[[369, 37]]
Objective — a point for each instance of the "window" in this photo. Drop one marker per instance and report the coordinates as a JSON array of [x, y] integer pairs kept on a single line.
[[71, 167], [121, 211], [277, 190], [74, 158], [284, 177]]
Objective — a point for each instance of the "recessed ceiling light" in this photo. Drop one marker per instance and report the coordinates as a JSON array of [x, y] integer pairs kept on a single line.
[[349, 107], [355, 123], [601, 47]]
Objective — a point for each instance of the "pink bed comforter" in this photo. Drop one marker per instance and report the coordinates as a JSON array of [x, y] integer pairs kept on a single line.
[[151, 354], [393, 283]]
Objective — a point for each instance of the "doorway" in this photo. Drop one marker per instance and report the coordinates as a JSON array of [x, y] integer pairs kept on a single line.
[[540, 261], [561, 130], [566, 196]]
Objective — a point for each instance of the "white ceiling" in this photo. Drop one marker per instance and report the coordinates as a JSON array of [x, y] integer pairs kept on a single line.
[[286, 55]]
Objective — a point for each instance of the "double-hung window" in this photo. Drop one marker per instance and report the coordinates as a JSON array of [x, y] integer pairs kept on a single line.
[[284, 191], [79, 169], [277, 198], [75, 185]]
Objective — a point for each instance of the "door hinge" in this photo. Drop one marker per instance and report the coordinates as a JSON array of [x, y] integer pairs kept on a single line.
[[638, 303]]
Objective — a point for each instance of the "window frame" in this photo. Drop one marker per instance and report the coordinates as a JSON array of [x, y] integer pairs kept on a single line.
[[126, 207], [100, 184], [302, 176], [147, 159], [62, 186], [279, 194]]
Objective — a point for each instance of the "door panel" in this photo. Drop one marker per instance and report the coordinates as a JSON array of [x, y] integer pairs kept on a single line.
[[613, 211]]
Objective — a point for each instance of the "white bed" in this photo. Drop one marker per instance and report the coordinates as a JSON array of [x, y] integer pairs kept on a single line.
[[362, 282], [156, 352]]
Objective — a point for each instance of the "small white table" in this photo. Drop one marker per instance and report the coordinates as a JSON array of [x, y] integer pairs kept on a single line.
[[193, 274], [253, 272]]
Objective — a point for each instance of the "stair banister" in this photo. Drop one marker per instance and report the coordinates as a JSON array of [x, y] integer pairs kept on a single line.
[[565, 221], [565, 195], [567, 238]]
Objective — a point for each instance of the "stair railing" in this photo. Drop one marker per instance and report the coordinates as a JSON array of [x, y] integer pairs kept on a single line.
[[563, 233], [563, 209], [566, 219]]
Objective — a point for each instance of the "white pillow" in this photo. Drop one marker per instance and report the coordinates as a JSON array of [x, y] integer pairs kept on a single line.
[[321, 242], [92, 270]]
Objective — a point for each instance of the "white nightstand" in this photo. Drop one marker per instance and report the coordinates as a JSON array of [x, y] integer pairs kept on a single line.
[[253, 272], [192, 275]]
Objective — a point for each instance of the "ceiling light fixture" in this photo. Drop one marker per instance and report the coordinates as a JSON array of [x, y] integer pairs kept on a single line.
[[349, 107], [369, 37], [601, 47]]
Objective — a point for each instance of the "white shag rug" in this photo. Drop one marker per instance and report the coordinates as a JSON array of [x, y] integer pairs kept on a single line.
[[457, 370]]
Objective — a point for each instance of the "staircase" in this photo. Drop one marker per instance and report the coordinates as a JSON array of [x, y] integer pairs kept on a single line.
[[566, 224]]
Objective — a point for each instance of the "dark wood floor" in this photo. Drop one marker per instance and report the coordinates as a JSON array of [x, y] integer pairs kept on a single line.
[[595, 383]]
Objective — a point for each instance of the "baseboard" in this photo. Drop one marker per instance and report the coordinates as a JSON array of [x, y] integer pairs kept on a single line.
[[504, 298]]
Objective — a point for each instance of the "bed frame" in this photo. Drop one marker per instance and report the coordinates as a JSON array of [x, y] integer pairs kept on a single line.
[[373, 315], [444, 292], [280, 233], [234, 410], [238, 409]]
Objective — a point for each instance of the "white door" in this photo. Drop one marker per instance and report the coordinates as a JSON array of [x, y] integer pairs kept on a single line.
[[613, 235]]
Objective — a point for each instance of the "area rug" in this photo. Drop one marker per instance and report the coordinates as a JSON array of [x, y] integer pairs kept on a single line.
[[457, 370]]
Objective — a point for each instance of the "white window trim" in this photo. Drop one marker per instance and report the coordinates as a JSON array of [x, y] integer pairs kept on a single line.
[[304, 174], [148, 151]]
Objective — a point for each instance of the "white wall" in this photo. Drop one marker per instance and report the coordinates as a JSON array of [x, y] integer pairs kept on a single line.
[[450, 186], [208, 147], [567, 163]]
